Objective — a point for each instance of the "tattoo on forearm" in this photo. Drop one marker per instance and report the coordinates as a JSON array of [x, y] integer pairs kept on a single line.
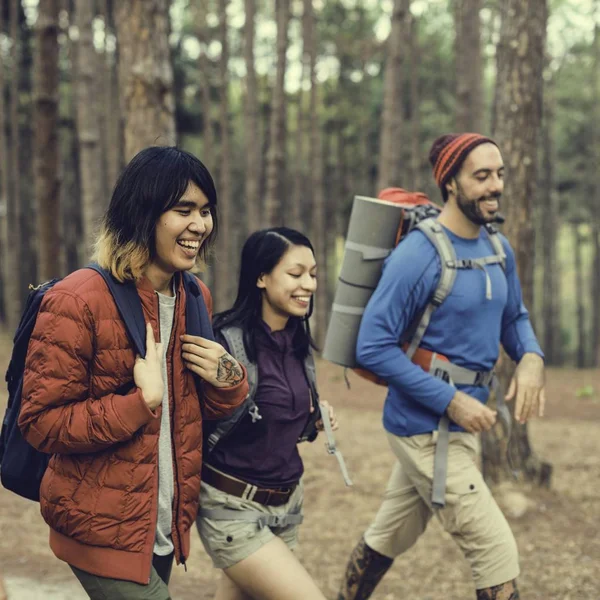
[[228, 371], [504, 591]]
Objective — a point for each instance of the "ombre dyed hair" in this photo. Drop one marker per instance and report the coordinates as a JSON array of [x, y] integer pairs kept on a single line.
[[152, 183]]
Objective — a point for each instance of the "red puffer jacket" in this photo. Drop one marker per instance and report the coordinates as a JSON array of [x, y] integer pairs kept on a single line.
[[99, 494]]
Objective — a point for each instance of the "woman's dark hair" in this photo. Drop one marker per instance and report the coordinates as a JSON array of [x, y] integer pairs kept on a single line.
[[260, 255], [152, 183]]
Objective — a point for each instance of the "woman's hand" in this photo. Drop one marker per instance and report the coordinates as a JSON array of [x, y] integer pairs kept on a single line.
[[211, 361], [326, 407]]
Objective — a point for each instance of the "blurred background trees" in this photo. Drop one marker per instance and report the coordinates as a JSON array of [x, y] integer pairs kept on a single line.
[[295, 106]]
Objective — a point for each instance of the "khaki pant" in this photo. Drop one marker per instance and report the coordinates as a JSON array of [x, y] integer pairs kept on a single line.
[[471, 515], [104, 588]]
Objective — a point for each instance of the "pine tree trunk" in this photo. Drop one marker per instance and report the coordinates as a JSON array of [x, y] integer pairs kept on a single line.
[[519, 102], [579, 294], [88, 124], [469, 71], [145, 74], [223, 271], [300, 175], [318, 215], [14, 278], [251, 129], [46, 149], [276, 155], [71, 215], [415, 111], [205, 68], [390, 141], [595, 193], [8, 289], [549, 229]]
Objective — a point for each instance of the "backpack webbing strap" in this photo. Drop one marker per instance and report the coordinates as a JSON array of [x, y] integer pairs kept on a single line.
[[440, 464], [254, 516], [438, 238], [497, 246], [234, 336], [311, 376]]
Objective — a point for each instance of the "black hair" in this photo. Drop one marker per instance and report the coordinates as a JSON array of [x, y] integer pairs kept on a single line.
[[261, 253], [153, 182]]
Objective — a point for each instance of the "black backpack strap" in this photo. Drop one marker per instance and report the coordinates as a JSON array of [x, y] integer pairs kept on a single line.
[[129, 306], [196, 314]]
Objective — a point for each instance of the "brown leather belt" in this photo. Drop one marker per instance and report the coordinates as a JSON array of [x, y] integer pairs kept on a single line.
[[247, 491]]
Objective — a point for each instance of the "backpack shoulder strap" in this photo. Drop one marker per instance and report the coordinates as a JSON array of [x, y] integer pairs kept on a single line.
[[234, 336], [196, 314], [129, 306], [497, 246], [435, 233]]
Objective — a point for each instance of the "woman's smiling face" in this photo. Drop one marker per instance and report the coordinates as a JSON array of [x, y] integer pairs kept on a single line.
[[287, 290]]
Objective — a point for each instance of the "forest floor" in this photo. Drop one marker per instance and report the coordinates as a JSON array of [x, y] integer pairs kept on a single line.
[[557, 530]]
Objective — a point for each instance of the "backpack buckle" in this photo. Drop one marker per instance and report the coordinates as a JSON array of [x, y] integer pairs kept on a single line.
[[254, 414], [441, 374]]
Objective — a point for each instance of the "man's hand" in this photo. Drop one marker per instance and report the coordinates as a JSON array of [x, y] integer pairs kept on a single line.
[[528, 387], [327, 408], [470, 413], [211, 361], [147, 372]]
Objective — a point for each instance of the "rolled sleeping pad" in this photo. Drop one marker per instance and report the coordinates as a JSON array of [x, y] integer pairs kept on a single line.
[[371, 237]]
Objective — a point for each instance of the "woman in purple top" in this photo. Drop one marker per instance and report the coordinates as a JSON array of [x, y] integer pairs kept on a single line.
[[252, 493]]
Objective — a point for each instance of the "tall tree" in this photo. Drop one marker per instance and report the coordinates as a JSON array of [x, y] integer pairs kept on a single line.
[[46, 150], [8, 289], [390, 141], [205, 68], [519, 87], [318, 214], [469, 71], [595, 189], [298, 193], [251, 123], [549, 224], [145, 74], [415, 111], [12, 271], [88, 123], [578, 243], [223, 273], [276, 154]]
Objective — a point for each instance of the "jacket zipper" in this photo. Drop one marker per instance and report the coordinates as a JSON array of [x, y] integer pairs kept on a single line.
[[175, 529]]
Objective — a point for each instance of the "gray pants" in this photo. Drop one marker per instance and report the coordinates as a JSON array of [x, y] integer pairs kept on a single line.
[[104, 588]]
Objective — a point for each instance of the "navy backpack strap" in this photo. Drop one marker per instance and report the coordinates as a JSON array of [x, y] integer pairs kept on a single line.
[[196, 313], [129, 305]]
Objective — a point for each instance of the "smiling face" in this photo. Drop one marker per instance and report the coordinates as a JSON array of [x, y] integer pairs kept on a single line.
[[478, 186], [288, 288], [181, 231]]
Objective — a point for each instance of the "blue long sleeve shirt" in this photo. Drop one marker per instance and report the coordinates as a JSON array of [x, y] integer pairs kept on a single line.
[[467, 328]]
